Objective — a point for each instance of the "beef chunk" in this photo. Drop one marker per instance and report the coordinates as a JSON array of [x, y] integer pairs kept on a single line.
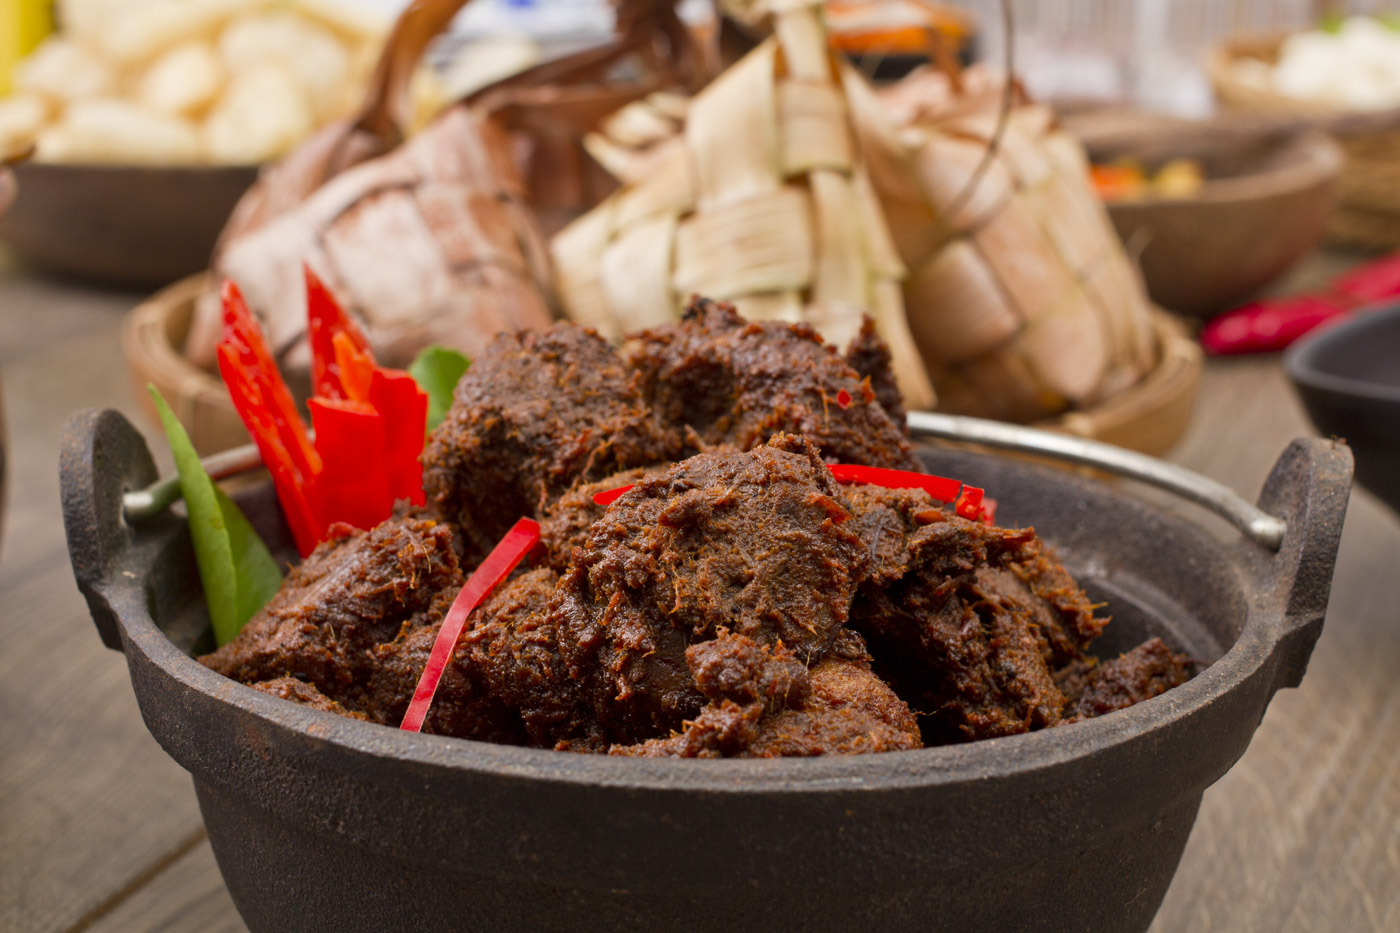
[[289, 688], [752, 542], [954, 618], [565, 523], [763, 703], [505, 682], [1148, 670], [349, 596], [736, 668], [535, 415], [1063, 611], [905, 531], [738, 383], [870, 357], [851, 712]]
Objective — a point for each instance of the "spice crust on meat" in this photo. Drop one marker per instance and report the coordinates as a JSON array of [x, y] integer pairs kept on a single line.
[[727, 598]]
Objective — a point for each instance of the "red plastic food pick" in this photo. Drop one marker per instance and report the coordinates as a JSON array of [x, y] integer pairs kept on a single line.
[[504, 557]]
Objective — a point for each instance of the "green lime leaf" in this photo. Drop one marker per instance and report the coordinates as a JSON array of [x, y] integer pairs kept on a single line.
[[436, 370], [238, 572]]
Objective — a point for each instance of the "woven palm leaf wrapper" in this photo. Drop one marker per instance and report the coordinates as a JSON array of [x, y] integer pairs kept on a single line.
[[762, 199], [1020, 297], [429, 240]]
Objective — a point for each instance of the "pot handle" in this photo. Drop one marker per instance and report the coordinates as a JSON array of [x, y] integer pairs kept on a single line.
[[101, 458], [1309, 488]]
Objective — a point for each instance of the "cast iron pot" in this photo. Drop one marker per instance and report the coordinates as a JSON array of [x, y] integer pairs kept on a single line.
[[324, 823]]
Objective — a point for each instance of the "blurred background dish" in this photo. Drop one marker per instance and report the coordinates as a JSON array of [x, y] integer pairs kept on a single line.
[[126, 225], [1213, 211], [1348, 376], [1345, 79], [148, 119]]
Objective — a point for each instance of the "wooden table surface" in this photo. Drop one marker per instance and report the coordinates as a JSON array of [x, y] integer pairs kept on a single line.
[[99, 830]]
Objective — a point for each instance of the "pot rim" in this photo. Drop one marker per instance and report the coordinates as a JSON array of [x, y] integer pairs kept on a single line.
[[1253, 650], [1282, 590]]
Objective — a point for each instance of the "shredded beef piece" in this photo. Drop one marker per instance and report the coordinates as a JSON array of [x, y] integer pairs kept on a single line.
[[349, 596], [763, 703], [870, 357], [535, 415], [289, 688], [733, 667], [1064, 613], [752, 542], [906, 531], [738, 383], [1148, 670], [505, 682], [565, 523], [952, 623]]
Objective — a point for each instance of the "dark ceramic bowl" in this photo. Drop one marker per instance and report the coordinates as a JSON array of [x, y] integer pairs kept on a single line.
[[1348, 376], [320, 822]]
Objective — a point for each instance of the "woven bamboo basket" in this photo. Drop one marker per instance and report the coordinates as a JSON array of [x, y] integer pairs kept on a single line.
[[1368, 193], [762, 199], [153, 340]]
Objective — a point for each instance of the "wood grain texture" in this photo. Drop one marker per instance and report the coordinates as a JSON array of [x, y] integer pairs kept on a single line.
[[99, 830], [87, 798], [187, 896]]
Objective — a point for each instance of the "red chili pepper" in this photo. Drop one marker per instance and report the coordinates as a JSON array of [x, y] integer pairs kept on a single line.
[[324, 320], [350, 439], [969, 500], [1267, 326], [404, 407], [504, 557], [263, 401], [939, 487], [370, 421], [1272, 325], [611, 496], [843, 398], [989, 510], [1372, 282]]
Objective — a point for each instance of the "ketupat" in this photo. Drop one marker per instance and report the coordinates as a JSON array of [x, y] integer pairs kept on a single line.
[[764, 200]]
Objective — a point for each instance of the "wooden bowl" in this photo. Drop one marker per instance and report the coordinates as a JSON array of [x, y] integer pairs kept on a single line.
[[1265, 202], [130, 226], [153, 341], [1149, 417]]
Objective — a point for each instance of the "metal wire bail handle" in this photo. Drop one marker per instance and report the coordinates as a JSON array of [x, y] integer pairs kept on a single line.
[[1256, 524], [1259, 526]]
